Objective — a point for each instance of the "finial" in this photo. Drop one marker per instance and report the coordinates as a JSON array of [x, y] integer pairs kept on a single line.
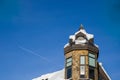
[[81, 27]]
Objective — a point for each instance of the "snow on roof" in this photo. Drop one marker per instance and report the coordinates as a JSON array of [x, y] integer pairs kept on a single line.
[[58, 75], [96, 45], [72, 37], [66, 45], [104, 71], [82, 30], [89, 36]]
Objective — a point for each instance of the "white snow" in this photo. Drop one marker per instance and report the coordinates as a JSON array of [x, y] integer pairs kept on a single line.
[[58, 75], [104, 70], [72, 37], [96, 45], [89, 36], [66, 45]]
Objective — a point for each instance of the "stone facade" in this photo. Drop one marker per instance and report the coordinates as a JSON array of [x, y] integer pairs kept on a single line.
[[76, 64]]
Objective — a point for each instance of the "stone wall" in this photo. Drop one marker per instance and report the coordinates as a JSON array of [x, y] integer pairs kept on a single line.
[[76, 62]]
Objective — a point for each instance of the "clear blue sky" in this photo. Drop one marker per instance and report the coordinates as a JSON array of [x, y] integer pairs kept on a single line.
[[33, 33]]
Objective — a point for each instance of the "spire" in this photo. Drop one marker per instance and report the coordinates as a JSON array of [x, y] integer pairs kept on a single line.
[[81, 27]]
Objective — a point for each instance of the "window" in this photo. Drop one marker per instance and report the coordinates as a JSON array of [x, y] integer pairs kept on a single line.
[[91, 73], [82, 59], [69, 67], [45, 79], [82, 70], [91, 55], [92, 60], [82, 66], [68, 62], [92, 63], [69, 72]]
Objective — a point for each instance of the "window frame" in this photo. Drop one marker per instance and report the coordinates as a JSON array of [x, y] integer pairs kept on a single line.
[[82, 60], [82, 64], [69, 60], [69, 74], [92, 59], [91, 76]]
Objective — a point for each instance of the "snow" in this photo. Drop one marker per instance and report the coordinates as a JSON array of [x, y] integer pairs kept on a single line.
[[89, 36], [58, 75], [104, 70], [66, 45], [96, 45], [72, 37]]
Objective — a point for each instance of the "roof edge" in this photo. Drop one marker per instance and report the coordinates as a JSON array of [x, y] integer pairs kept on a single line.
[[104, 70]]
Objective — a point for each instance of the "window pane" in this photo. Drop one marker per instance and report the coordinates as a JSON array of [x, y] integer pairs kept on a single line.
[[69, 73], [69, 59], [82, 70], [91, 55], [82, 59], [91, 61], [69, 64], [91, 73]]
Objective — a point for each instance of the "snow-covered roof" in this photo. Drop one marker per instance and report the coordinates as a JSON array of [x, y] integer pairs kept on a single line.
[[83, 31], [104, 71], [89, 36], [58, 75]]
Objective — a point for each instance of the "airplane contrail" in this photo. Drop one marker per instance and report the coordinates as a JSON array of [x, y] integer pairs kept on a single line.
[[34, 53]]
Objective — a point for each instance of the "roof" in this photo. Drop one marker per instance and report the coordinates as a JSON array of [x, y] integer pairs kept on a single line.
[[83, 32], [59, 75], [100, 64]]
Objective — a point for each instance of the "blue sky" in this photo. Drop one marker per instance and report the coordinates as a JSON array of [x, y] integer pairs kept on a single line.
[[33, 33]]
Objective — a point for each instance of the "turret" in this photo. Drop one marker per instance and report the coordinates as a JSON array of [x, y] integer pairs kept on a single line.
[[81, 56]]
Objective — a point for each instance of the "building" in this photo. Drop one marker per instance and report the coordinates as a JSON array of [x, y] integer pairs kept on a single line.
[[81, 60], [81, 54]]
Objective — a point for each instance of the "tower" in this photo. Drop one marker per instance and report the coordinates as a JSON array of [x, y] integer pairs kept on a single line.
[[81, 56]]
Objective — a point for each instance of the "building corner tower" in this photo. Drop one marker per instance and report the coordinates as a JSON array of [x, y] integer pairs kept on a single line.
[[81, 56]]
